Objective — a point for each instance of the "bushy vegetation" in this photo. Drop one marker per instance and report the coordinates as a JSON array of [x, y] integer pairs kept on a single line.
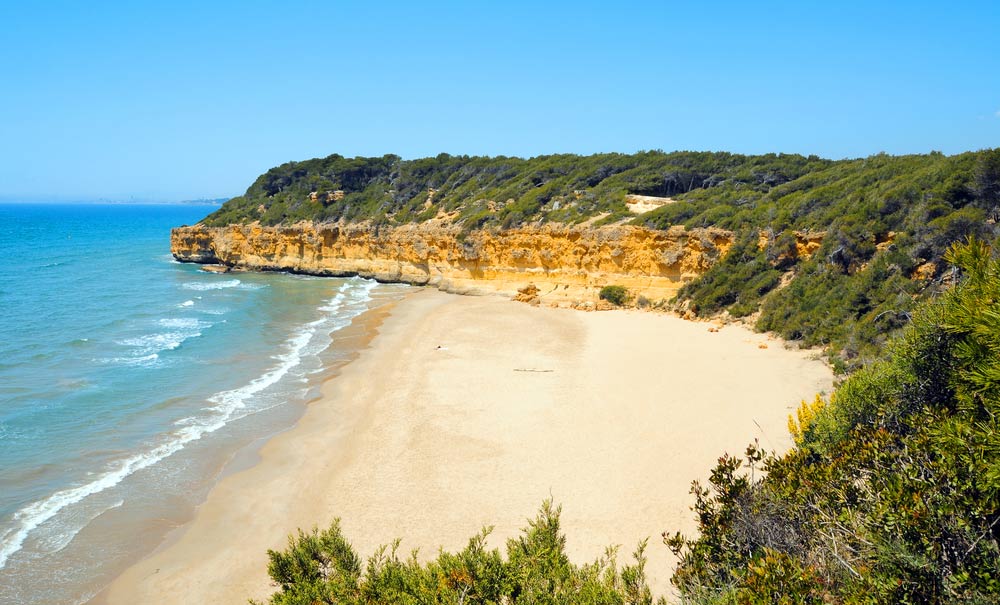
[[616, 295], [495, 191], [887, 223], [322, 567], [886, 220], [892, 494]]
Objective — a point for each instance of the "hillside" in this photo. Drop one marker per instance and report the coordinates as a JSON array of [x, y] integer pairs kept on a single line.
[[831, 253], [892, 494]]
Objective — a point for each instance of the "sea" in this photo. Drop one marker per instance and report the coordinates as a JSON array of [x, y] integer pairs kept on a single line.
[[130, 383]]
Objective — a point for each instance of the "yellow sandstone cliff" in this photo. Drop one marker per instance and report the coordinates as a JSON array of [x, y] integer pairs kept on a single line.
[[567, 264]]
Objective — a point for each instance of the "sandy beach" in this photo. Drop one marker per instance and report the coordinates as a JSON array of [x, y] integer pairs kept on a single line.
[[470, 411]]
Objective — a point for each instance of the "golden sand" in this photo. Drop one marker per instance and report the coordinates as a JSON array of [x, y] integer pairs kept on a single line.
[[469, 411]]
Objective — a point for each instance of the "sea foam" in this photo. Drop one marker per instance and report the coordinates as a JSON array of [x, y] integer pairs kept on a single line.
[[211, 285]]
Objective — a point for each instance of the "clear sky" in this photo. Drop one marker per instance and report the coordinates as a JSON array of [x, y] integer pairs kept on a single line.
[[195, 99]]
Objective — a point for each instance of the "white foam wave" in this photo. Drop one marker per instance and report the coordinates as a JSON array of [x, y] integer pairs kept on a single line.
[[334, 303], [180, 330], [54, 543], [227, 406], [36, 513], [212, 285], [190, 323], [145, 361], [365, 286], [156, 343], [186, 303]]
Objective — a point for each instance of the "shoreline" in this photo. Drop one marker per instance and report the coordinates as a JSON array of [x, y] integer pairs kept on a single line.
[[431, 444], [349, 341]]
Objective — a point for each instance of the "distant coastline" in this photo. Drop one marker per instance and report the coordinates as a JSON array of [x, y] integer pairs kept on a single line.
[[112, 202]]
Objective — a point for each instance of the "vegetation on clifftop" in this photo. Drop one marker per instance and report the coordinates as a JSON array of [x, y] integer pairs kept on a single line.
[[882, 223], [497, 191]]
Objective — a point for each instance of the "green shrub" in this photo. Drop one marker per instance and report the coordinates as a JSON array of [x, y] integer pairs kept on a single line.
[[893, 493], [616, 295], [322, 568]]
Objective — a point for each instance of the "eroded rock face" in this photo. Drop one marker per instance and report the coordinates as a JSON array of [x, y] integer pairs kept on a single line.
[[565, 263], [806, 243]]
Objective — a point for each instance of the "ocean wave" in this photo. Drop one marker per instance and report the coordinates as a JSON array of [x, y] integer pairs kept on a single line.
[[183, 322], [214, 311], [36, 513], [226, 406], [145, 361], [179, 329], [334, 303], [186, 303], [57, 541], [212, 285], [157, 343]]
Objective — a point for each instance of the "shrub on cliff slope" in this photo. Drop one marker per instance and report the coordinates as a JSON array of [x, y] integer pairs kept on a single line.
[[893, 493], [616, 295], [322, 567], [887, 223]]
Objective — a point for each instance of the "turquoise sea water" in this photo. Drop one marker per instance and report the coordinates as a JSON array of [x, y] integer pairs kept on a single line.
[[128, 379]]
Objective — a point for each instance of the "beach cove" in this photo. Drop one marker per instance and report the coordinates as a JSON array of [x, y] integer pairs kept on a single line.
[[464, 412]]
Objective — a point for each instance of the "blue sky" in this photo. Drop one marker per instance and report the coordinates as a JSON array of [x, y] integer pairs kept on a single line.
[[191, 99]]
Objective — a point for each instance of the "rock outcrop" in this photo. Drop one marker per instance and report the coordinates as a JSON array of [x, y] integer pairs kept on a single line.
[[806, 243], [566, 264]]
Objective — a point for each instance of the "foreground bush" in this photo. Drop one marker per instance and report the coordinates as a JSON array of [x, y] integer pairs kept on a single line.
[[322, 567], [893, 493]]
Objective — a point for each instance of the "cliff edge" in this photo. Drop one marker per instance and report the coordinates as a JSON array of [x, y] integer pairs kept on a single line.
[[567, 264]]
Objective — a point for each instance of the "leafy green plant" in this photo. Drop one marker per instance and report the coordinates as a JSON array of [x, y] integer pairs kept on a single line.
[[616, 295], [892, 494], [322, 568]]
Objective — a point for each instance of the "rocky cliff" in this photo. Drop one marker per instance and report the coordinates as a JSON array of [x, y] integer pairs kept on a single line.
[[567, 264]]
